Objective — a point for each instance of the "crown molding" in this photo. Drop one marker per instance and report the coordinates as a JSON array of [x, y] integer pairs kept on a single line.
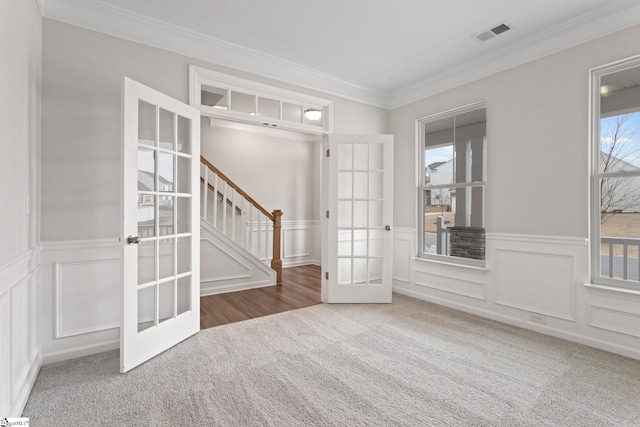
[[600, 22], [97, 16], [40, 6]]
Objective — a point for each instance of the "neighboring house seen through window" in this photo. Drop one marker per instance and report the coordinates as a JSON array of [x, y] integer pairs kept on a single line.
[[452, 191]]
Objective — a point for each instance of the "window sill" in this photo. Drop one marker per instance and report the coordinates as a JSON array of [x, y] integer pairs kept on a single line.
[[614, 289], [480, 266]]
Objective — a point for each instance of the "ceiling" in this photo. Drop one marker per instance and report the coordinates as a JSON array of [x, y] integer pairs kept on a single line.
[[381, 52]]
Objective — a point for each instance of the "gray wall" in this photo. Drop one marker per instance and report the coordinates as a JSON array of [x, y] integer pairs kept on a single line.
[[279, 173], [537, 132], [82, 76], [20, 80]]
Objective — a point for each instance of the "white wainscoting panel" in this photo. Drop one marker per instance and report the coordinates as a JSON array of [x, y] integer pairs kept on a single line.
[[81, 307], [86, 293], [403, 251], [20, 359], [614, 319], [536, 274], [299, 243], [452, 285]]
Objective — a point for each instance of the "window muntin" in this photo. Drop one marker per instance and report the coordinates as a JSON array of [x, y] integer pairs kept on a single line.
[[615, 210], [452, 185]]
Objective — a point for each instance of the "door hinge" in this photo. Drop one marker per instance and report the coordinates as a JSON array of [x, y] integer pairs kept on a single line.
[[327, 214], [326, 275], [328, 151]]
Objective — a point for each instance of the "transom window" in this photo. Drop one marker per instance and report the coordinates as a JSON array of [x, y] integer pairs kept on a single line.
[[615, 210], [452, 184]]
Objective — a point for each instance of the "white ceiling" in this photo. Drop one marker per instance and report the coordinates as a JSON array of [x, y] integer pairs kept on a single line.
[[382, 52]]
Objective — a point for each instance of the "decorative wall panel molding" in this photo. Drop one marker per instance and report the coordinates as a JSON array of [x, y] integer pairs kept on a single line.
[[615, 320], [539, 282], [444, 283], [87, 296]]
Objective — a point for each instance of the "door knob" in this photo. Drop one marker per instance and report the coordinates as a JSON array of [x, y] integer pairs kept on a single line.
[[387, 227], [133, 240]]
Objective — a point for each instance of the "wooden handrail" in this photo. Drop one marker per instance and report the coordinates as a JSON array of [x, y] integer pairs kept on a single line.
[[275, 216], [237, 188], [221, 196]]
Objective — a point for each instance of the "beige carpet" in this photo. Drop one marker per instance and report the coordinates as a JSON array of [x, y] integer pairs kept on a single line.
[[410, 363]]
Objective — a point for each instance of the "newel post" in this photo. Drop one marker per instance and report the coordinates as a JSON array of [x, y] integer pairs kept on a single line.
[[276, 262]]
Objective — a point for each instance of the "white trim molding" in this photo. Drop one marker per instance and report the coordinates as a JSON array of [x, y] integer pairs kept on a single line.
[[118, 22]]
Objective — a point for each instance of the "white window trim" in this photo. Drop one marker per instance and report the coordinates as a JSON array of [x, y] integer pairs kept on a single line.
[[419, 180], [595, 75]]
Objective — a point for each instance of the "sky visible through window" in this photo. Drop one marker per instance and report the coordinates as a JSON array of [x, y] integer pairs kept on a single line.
[[623, 130]]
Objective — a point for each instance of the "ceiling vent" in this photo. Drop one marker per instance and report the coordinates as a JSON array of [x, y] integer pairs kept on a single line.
[[488, 34]]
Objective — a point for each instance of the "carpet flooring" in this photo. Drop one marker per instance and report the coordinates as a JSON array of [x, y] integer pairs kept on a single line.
[[410, 363]]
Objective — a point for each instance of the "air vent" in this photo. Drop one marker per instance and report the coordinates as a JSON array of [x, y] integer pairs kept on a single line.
[[488, 34]]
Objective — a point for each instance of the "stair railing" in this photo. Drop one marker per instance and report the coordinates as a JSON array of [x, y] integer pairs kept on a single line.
[[223, 202]]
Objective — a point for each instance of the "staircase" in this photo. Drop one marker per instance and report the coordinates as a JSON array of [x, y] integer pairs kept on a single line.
[[239, 239]]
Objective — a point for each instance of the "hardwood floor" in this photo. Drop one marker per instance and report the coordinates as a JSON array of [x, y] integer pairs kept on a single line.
[[300, 288]]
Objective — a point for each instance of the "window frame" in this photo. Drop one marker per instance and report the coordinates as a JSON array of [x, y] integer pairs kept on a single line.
[[422, 187], [595, 76]]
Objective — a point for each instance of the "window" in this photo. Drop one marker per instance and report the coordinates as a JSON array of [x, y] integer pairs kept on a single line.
[[615, 184], [452, 184]]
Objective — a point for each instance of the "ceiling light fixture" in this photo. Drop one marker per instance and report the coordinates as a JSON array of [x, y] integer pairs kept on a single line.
[[313, 115]]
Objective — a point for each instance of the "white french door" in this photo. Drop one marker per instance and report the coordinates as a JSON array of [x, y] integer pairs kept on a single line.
[[360, 213], [161, 226]]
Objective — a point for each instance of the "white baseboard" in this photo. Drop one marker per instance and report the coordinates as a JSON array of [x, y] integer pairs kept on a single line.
[[232, 288], [81, 351], [27, 386]]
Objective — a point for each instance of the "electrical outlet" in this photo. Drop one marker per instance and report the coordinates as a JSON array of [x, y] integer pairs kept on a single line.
[[538, 318]]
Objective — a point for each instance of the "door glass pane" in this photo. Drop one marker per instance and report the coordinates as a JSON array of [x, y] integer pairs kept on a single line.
[[184, 254], [166, 215], [146, 262], [377, 156], [360, 242], [146, 215], [146, 170], [146, 308], [360, 271], [184, 214], [146, 123], [375, 214], [183, 176], [344, 213], [243, 103], [167, 129], [166, 301], [376, 242], [165, 169], [345, 156], [345, 185], [344, 242], [360, 185], [361, 156], [214, 97], [344, 271], [184, 295], [360, 214], [184, 135], [166, 262], [376, 185], [375, 271], [268, 108], [292, 112]]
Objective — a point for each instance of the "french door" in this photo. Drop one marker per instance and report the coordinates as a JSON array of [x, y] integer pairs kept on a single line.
[[161, 226], [359, 217]]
